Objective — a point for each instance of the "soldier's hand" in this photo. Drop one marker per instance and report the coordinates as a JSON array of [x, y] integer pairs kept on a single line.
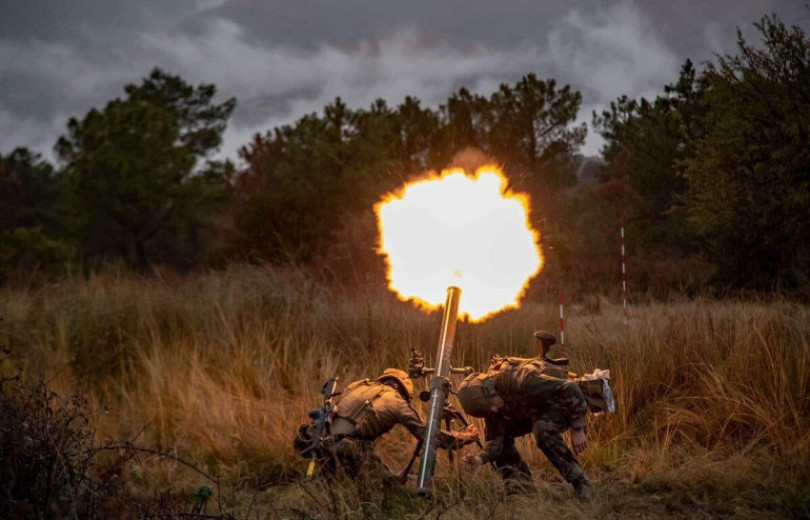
[[471, 434], [472, 461], [578, 441]]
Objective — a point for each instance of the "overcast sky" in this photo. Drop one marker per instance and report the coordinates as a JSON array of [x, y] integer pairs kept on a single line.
[[282, 59]]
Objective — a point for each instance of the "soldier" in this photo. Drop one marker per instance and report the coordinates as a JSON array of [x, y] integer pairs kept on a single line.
[[363, 412], [521, 396]]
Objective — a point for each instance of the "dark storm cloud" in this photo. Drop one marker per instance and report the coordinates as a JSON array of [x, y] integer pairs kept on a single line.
[[79, 19], [503, 23], [283, 59]]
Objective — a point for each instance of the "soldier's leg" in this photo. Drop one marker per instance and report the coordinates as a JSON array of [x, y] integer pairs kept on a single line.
[[377, 471], [347, 458], [551, 443], [517, 478]]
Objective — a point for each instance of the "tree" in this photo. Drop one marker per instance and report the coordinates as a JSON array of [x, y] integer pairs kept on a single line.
[[749, 170], [528, 127], [531, 130], [645, 141], [465, 123], [134, 167], [305, 183], [31, 223], [29, 191]]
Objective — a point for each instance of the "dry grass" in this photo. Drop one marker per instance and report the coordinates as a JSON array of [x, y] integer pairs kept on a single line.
[[714, 397]]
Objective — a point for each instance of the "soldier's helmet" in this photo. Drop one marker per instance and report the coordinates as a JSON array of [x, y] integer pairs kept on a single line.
[[545, 337], [475, 394], [401, 379]]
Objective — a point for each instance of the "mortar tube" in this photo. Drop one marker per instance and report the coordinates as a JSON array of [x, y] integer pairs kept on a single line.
[[438, 391]]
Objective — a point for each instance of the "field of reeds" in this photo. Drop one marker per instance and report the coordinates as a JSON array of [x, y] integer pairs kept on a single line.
[[195, 385]]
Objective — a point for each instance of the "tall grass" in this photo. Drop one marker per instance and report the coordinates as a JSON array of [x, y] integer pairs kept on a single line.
[[220, 368]]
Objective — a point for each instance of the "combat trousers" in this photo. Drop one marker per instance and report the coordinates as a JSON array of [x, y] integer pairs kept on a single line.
[[556, 450], [356, 459], [517, 478]]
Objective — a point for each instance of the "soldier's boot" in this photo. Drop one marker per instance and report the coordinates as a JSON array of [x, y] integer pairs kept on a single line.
[[583, 489]]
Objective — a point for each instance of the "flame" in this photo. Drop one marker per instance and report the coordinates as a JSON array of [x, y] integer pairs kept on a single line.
[[459, 229]]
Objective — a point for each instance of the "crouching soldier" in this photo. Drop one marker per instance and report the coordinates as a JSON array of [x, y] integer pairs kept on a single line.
[[363, 412], [517, 397]]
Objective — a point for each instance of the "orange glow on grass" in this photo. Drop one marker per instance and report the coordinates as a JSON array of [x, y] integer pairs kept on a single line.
[[459, 229]]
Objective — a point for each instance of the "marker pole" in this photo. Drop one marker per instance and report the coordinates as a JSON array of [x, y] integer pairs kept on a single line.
[[562, 324], [624, 276]]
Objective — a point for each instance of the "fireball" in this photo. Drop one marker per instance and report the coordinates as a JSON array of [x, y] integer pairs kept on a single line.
[[457, 229]]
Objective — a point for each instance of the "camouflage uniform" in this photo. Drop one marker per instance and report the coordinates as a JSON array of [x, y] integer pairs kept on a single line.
[[539, 403], [365, 411]]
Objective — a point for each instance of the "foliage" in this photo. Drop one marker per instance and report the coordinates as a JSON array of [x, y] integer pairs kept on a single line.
[[29, 191], [526, 126], [305, 183], [134, 167], [644, 144], [749, 173], [47, 454], [530, 130], [31, 229], [719, 163], [28, 250], [714, 169]]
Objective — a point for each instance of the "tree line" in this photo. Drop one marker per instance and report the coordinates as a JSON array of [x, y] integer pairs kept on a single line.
[[712, 177]]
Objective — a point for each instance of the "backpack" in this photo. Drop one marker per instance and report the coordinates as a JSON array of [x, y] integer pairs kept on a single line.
[[522, 367], [355, 403], [596, 389], [594, 386]]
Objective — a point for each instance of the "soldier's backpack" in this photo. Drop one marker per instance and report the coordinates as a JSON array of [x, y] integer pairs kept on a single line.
[[355, 405], [594, 386], [522, 367], [596, 389]]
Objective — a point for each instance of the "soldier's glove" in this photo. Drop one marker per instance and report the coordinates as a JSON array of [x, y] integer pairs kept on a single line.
[[579, 441], [470, 434]]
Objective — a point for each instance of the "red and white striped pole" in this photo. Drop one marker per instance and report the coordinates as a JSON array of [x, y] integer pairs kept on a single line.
[[562, 325], [624, 276]]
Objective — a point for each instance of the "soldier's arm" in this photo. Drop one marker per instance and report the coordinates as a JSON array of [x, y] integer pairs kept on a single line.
[[409, 417], [494, 435], [560, 395], [576, 406]]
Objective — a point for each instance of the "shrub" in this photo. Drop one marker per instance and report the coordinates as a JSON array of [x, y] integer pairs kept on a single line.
[[45, 452]]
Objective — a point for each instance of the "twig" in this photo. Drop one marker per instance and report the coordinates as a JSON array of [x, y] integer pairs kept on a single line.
[[129, 446]]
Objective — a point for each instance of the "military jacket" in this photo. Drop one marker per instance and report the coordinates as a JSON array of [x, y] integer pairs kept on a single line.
[[531, 395], [384, 408], [529, 386]]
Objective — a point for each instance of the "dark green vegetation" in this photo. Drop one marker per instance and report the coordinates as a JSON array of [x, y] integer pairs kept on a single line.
[[720, 163], [712, 177]]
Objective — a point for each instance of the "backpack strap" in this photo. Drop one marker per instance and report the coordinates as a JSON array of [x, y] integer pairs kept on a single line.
[[356, 404]]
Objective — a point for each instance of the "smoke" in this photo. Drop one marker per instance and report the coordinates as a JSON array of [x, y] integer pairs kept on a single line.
[[470, 159]]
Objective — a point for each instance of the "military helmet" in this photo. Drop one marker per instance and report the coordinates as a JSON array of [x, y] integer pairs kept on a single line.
[[400, 377], [475, 394]]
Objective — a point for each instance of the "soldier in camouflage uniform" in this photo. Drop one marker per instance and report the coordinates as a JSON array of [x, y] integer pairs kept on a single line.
[[364, 411], [521, 396]]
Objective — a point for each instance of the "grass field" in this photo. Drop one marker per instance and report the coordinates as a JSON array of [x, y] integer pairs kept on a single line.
[[713, 417]]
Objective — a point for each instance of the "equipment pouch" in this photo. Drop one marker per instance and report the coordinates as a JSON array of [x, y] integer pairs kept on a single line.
[[354, 406], [596, 389]]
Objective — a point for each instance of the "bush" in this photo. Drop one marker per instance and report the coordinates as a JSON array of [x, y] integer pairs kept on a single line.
[[46, 453], [24, 251]]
